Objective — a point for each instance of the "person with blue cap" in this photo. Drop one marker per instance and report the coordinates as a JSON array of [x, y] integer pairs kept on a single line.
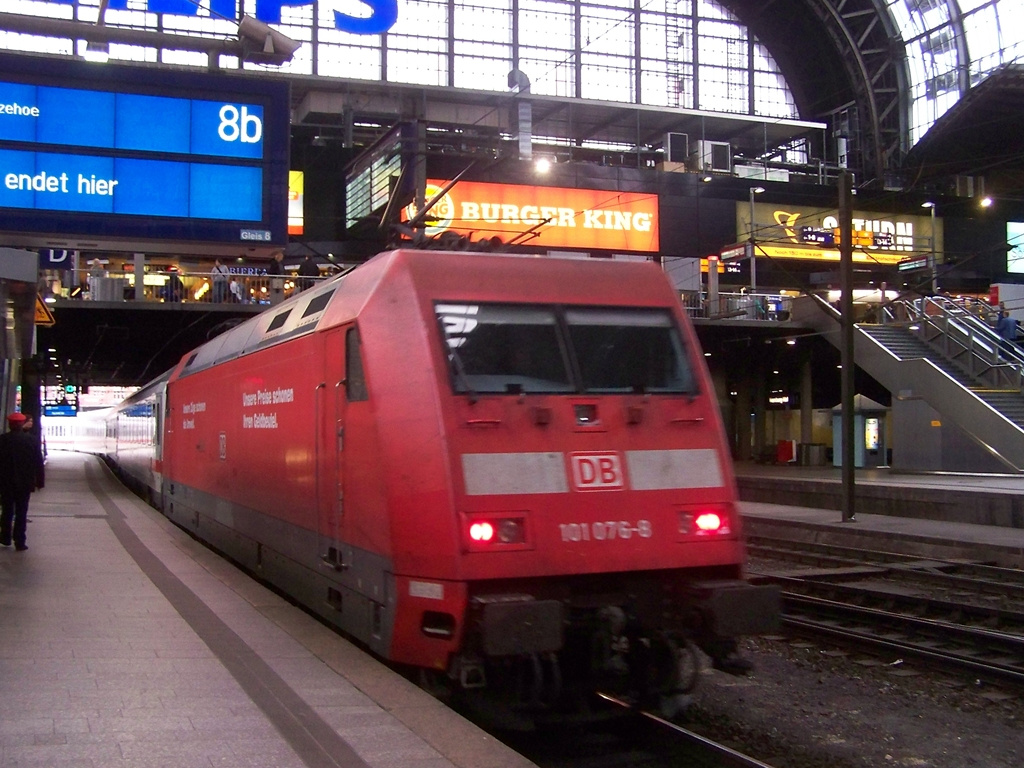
[[21, 472]]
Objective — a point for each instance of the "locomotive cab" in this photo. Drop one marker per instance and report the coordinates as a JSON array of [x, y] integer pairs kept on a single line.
[[595, 522]]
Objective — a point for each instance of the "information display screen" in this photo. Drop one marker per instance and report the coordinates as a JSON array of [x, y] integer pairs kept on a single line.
[[132, 153]]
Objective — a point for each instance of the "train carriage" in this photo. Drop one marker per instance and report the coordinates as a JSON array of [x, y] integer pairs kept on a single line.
[[492, 468]]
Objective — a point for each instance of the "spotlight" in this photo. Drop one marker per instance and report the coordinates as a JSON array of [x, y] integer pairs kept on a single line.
[[264, 45]]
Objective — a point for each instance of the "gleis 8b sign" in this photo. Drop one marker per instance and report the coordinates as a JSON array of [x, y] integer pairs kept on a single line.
[[383, 13]]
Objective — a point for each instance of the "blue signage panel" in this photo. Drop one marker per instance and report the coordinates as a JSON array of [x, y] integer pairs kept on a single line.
[[75, 117], [152, 123], [153, 188], [18, 112], [117, 146], [77, 183], [224, 192], [227, 130], [56, 258]]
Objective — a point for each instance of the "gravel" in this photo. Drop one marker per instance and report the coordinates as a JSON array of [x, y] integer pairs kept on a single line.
[[810, 706]]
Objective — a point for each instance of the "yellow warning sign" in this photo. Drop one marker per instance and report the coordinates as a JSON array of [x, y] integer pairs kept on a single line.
[[43, 314]]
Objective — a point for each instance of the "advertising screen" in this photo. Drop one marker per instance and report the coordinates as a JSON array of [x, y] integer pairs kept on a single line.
[[545, 217], [120, 153], [1015, 243]]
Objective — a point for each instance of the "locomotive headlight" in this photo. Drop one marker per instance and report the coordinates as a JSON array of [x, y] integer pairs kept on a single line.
[[708, 522], [510, 531]]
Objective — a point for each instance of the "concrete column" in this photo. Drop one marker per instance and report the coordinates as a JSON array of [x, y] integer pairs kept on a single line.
[[760, 407], [742, 422], [806, 400], [140, 275]]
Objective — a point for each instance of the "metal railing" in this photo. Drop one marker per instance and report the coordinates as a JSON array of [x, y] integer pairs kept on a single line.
[[184, 288], [961, 332], [766, 307]]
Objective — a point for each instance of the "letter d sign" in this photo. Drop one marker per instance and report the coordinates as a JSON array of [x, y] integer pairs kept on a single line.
[[597, 471]]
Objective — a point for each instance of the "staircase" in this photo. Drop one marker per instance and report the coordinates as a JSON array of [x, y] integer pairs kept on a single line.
[[929, 351]]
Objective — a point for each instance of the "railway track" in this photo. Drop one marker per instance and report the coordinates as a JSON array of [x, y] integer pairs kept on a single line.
[[702, 750], [628, 737], [937, 612], [987, 654], [952, 574]]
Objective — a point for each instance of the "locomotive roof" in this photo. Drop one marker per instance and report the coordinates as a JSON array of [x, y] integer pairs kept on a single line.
[[339, 299]]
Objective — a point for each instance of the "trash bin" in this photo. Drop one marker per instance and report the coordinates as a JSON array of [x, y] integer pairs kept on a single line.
[[811, 454], [108, 288], [785, 451]]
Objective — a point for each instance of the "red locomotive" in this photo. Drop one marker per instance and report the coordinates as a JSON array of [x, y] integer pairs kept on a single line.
[[508, 472]]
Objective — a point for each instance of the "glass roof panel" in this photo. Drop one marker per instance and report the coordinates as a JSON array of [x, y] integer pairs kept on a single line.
[[944, 38]]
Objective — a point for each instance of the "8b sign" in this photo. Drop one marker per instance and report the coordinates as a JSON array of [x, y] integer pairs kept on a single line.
[[238, 125], [600, 471], [227, 130]]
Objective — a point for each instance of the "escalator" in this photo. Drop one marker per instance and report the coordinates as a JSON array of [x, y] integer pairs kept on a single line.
[[932, 350]]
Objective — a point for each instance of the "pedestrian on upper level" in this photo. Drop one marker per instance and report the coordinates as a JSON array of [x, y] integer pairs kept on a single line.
[[308, 272], [275, 270], [96, 275], [219, 276], [1006, 327]]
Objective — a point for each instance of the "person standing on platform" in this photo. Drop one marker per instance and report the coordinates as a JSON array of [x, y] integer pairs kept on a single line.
[[1006, 327], [276, 272], [220, 276], [96, 275], [308, 270], [21, 472]]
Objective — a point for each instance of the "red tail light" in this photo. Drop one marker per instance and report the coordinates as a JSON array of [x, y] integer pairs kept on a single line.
[[494, 532], [710, 520], [482, 531]]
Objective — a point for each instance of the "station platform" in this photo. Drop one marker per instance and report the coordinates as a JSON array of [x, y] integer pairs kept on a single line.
[[975, 517], [124, 642]]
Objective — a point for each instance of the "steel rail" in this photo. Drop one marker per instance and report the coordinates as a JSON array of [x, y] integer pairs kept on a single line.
[[943, 630], [727, 757]]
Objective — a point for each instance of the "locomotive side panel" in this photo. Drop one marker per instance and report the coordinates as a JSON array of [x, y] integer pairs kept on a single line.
[[255, 469]]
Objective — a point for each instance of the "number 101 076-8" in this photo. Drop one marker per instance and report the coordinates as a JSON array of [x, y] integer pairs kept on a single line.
[[606, 531]]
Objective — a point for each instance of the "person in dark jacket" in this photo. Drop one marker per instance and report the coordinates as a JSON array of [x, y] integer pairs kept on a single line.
[[308, 271], [1006, 327], [275, 269], [21, 472]]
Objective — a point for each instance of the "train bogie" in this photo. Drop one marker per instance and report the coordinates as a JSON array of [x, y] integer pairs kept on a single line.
[[474, 464]]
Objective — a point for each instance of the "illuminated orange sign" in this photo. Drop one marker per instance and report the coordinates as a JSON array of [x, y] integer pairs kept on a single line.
[[296, 183], [544, 217]]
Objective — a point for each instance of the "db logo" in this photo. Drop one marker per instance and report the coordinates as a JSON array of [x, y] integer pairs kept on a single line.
[[597, 471]]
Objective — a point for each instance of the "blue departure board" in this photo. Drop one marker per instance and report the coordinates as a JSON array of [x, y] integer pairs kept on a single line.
[[130, 121], [122, 150]]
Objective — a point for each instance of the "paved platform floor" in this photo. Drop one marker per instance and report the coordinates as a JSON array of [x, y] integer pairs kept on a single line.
[[123, 642], [929, 538], [883, 476]]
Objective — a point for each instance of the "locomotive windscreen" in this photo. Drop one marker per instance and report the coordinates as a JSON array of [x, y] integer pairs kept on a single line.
[[508, 348]]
